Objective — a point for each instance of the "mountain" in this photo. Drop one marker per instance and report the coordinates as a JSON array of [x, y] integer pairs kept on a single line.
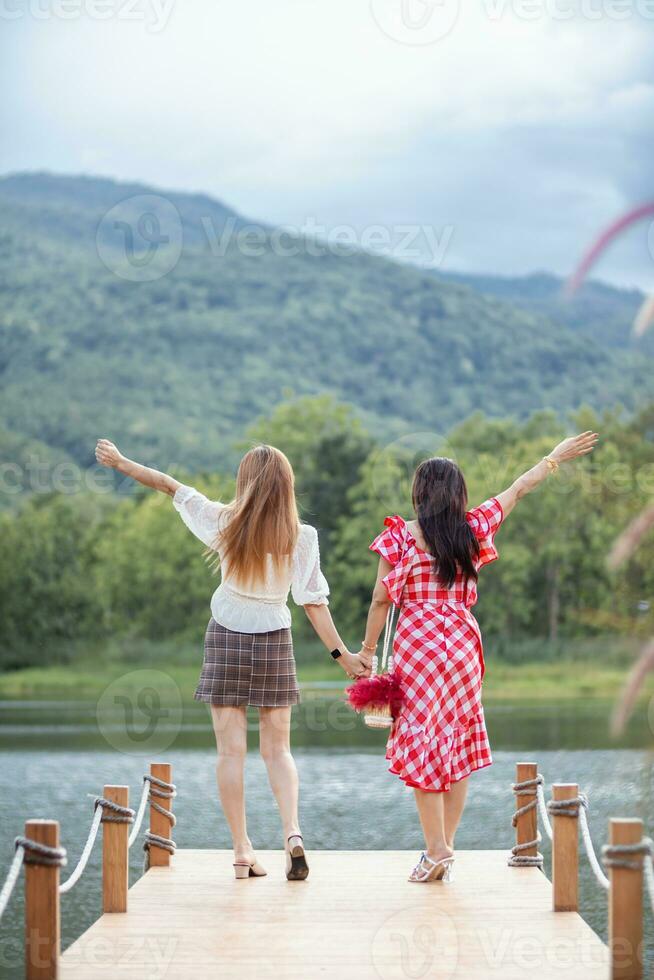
[[597, 311], [169, 322]]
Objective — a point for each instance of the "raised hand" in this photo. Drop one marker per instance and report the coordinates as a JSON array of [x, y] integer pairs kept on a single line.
[[107, 454], [575, 446]]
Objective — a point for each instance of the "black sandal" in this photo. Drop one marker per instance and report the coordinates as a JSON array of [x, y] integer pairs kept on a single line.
[[297, 868]]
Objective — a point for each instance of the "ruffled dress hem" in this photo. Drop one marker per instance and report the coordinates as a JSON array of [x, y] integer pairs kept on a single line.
[[413, 754]]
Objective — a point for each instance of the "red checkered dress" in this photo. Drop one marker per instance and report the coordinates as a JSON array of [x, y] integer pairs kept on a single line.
[[440, 735]]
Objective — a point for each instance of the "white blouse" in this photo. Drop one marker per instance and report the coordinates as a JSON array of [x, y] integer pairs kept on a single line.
[[264, 608]]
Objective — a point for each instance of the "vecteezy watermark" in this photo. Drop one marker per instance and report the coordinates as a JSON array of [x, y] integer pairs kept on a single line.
[[565, 10], [36, 475], [153, 954], [423, 22], [140, 712], [415, 22], [420, 243], [417, 942], [155, 14], [140, 239]]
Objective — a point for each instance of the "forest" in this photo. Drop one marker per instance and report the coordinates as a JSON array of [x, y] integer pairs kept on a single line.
[[356, 366], [86, 568], [180, 366]]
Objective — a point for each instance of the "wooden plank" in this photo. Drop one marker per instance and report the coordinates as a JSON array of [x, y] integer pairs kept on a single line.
[[626, 906], [159, 824], [356, 917], [42, 916], [115, 854], [565, 852], [527, 824]]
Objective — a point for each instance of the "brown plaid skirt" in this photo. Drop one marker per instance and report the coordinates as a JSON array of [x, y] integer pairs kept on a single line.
[[248, 668]]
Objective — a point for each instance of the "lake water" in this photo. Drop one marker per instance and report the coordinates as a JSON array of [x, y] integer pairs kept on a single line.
[[53, 755]]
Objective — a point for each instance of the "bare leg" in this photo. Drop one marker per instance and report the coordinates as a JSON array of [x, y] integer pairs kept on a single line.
[[275, 747], [453, 804], [432, 817], [230, 728]]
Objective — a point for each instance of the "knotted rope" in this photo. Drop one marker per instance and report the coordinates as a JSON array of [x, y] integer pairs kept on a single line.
[[116, 813], [529, 787], [620, 855], [567, 808], [577, 807], [36, 853], [164, 791], [106, 811]]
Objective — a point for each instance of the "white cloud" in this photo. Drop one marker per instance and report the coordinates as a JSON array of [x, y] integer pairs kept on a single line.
[[306, 107]]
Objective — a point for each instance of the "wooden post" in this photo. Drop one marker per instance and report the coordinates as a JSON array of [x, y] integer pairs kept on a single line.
[[115, 854], [42, 921], [158, 823], [527, 825], [565, 853], [626, 906]]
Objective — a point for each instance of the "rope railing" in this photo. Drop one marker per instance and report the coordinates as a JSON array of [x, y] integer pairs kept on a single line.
[[28, 851], [542, 807], [577, 806], [140, 813], [628, 853], [39, 855], [106, 811], [648, 868], [596, 867], [11, 879], [66, 886]]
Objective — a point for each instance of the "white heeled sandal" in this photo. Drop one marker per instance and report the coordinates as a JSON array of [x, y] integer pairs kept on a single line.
[[428, 870]]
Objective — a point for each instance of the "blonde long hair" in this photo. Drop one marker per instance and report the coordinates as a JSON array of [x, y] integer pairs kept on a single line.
[[263, 517]]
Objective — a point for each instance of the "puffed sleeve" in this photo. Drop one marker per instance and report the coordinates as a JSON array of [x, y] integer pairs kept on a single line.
[[394, 544], [391, 543], [201, 515], [485, 522], [308, 584]]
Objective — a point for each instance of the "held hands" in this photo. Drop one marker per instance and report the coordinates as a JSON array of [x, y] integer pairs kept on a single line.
[[107, 454], [575, 446], [353, 665]]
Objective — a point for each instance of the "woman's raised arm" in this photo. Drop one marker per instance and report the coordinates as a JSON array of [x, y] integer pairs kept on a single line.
[[107, 454], [569, 449]]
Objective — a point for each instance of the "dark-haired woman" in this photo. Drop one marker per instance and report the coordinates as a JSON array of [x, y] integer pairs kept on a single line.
[[428, 568]]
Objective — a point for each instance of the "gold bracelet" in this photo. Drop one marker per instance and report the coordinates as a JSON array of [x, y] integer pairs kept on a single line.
[[552, 464], [366, 646]]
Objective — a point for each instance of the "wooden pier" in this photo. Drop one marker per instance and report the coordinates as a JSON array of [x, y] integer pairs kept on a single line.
[[355, 917]]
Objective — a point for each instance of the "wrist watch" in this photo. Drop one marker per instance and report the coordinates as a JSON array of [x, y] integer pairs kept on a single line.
[[336, 654]]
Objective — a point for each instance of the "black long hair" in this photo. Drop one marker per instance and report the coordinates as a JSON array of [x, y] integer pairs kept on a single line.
[[440, 500]]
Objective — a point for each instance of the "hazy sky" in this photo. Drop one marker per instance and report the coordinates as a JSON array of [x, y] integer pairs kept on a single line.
[[513, 131]]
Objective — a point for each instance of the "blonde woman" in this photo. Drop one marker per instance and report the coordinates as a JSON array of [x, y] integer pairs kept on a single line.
[[263, 551]]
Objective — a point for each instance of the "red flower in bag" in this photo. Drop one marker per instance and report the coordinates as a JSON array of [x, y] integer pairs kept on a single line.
[[378, 691]]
